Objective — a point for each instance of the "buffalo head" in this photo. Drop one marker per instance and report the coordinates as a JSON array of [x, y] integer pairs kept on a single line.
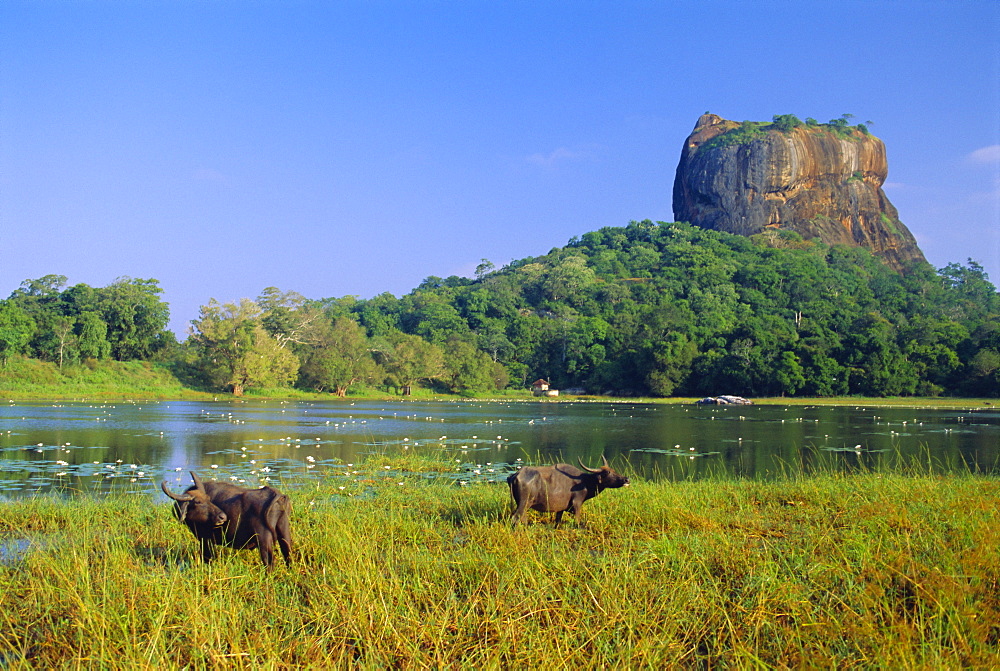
[[607, 478], [195, 506]]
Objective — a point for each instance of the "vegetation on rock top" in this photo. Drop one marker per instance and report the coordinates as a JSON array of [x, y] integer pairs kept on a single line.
[[748, 131]]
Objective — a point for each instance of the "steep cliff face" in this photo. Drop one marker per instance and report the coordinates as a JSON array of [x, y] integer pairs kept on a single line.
[[817, 181]]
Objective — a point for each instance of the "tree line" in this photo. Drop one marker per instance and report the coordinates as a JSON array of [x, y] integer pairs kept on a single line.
[[125, 321], [656, 309]]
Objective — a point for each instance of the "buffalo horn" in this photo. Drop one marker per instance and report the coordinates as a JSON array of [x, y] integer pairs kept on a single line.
[[197, 481], [175, 497], [592, 470]]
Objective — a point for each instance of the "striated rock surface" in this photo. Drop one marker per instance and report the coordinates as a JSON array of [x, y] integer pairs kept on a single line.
[[815, 180]]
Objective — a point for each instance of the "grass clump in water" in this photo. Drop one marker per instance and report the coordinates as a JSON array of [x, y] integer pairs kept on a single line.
[[826, 570]]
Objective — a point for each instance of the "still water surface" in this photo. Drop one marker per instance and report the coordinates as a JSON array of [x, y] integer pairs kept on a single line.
[[84, 447]]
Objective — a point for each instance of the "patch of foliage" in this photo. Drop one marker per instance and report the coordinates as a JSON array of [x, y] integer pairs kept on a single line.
[[124, 321], [785, 122], [748, 131], [669, 309], [889, 223], [745, 133], [649, 309]]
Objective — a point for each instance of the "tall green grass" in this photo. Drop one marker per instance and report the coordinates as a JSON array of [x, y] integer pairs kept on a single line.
[[895, 570]]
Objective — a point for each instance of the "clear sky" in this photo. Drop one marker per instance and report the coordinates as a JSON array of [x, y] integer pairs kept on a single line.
[[355, 148]]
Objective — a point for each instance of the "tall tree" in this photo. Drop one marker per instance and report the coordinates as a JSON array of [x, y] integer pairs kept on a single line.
[[341, 358], [671, 363], [289, 319], [92, 336], [16, 330], [408, 359], [136, 317], [236, 352], [43, 287], [469, 369]]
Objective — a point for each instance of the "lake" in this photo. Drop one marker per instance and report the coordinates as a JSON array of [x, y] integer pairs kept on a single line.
[[95, 447]]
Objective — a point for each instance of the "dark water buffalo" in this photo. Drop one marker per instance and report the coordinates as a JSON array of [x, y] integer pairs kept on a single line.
[[218, 513], [559, 488]]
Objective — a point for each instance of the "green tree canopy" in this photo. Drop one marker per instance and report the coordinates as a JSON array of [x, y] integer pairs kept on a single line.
[[236, 352], [16, 330], [341, 358]]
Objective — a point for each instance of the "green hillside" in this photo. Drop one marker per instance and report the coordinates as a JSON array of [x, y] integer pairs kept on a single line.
[[654, 309], [666, 308]]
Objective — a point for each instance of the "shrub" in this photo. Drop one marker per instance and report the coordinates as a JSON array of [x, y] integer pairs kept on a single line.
[[785, 122]]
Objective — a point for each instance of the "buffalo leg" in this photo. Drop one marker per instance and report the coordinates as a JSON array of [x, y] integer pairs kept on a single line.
[[520, 502], [284, 534], [518, 514], [279, 525], [265, 544], [559, 515]]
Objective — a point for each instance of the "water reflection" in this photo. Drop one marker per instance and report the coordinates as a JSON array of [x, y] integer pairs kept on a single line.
[[81, 447]]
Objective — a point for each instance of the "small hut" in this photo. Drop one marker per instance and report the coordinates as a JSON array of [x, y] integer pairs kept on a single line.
[[540, 387]]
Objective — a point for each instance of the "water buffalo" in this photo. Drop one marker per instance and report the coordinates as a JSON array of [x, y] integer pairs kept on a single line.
[[218, 513], [559, 488]]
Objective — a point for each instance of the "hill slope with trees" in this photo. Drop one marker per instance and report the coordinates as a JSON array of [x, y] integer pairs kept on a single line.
[[647, 309], [670, 309]]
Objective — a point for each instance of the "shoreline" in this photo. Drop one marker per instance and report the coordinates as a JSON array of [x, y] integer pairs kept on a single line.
[[145, 396]]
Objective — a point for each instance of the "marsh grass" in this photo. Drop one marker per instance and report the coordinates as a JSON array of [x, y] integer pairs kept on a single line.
[[894, 569]]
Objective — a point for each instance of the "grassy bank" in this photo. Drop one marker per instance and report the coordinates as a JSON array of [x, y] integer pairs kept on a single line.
[[29, 379], [887, 402], [896, 570]]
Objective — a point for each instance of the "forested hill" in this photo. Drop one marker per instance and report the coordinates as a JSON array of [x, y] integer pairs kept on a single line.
[[650, 308], [669, 309]]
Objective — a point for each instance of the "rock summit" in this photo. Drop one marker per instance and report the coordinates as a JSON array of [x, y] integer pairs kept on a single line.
[[819, 180]]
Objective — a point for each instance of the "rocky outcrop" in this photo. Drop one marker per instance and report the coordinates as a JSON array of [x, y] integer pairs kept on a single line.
[[818, 180]]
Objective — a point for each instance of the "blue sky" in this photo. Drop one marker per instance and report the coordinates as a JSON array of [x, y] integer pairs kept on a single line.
[[355, 148]]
